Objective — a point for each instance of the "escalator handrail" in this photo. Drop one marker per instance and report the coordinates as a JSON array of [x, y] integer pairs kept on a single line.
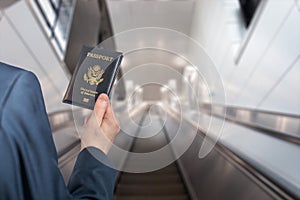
[[245, 166], [258, 126]]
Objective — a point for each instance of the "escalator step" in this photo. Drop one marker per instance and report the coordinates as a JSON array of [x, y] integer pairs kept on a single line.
[[141, 165], [158, 197], [150, 179], [163, 184], [166, 170], [140, 189]]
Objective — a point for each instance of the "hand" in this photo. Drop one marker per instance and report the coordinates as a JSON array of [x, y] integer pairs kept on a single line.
[[101, 127]]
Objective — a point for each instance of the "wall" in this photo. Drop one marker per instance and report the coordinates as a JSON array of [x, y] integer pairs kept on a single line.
[[86, 17], [260, 67], [24, 44]]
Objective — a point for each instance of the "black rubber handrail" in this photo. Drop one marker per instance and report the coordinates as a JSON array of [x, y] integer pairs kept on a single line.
[[264, 130], [269, 130], [269, 112]]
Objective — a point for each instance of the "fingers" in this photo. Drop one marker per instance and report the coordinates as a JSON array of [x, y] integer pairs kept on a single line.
[[104, 112], [112, 118], [101, 127], [110, 113], [101, 107]]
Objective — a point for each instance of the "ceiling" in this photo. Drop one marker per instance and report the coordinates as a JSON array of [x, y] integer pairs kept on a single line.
[[126, 16], [154, 65], [172, 14]]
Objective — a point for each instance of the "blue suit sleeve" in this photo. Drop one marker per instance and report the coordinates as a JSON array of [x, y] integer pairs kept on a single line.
[[30, 170], [94, 179]]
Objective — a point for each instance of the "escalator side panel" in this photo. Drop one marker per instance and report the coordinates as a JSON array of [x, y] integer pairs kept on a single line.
[[215, 176]]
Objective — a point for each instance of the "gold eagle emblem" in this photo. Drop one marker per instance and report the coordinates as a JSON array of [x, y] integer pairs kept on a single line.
[[94, 75]]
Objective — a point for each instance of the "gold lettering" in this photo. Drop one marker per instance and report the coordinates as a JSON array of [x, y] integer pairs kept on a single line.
[[100, 57], [86, 100], [87, 92]]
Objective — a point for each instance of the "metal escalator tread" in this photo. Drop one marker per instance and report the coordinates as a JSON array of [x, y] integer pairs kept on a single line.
[[138, 189], [163, 184], [162, 197], [150, 179]]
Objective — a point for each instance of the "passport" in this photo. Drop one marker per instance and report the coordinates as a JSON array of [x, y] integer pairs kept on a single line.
[[94, 74]]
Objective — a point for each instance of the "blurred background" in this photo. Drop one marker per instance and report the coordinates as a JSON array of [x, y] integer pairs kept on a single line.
[[250, 119]]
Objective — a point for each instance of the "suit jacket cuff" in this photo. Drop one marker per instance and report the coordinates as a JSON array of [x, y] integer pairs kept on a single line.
[[91, 157]]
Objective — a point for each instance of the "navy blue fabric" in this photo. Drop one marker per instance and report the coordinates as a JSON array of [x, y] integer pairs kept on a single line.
[[28, 159]]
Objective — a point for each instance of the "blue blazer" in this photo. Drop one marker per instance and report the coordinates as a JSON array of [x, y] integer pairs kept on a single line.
[[28, 159]]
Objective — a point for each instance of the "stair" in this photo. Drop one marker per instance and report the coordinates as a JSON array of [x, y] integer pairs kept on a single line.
[[163, 184]]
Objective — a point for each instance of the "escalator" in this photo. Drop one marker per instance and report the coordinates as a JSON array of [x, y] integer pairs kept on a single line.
[[225, 173], [162, 184]]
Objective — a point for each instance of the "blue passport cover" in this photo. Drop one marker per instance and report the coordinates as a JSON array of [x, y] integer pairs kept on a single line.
[[94, 74]]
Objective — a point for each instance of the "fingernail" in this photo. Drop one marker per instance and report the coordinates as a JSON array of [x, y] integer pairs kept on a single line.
[[103, 102]]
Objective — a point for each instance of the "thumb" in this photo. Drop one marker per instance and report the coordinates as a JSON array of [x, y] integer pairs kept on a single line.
[[100, 107]]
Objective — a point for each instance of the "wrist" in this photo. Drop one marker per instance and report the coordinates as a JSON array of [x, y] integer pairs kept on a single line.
[[103, 147]]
